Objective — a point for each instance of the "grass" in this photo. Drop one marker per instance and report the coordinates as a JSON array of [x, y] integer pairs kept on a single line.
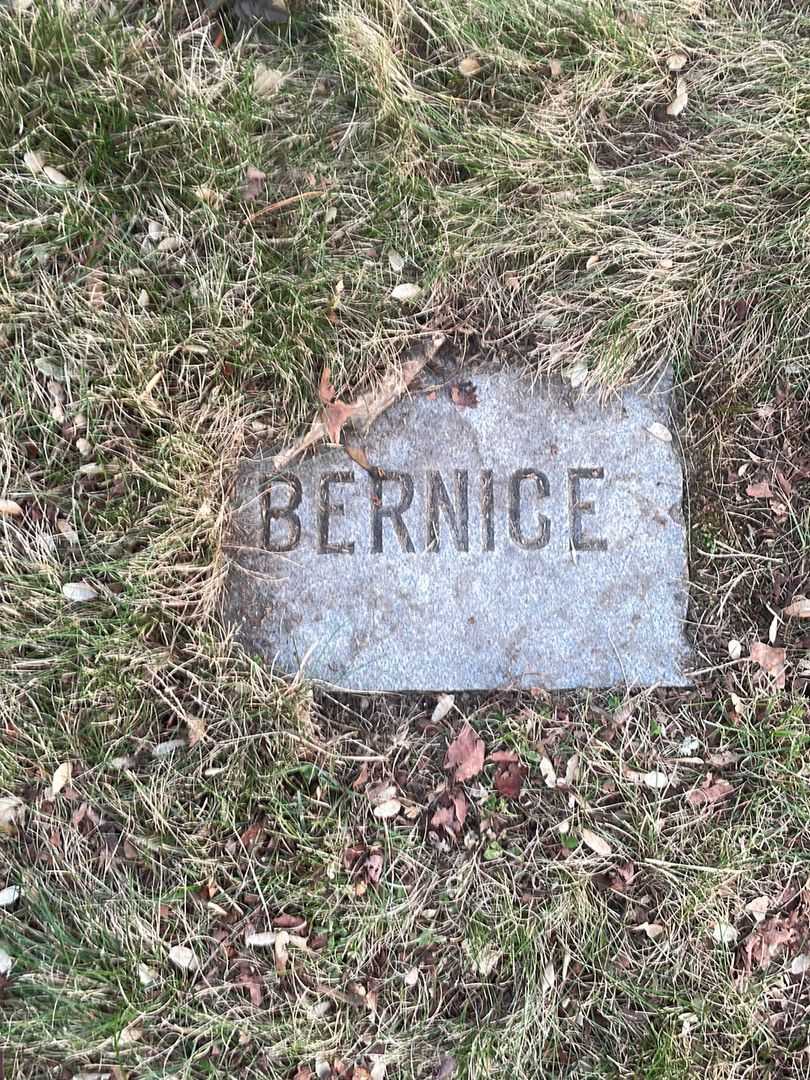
[[149, 308]]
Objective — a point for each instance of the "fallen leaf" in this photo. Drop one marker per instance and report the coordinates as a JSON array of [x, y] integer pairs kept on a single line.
[[10, 508], [34, 161], [799, 608], [396, 261], [768, 938], [548, 772], [595, 176], [388, 809], [253, 185], [406, 291], [55, 176], [548, 979], [735, 649], [12, 814], [147, 976], [758, 907], [163, 749], [770, 659], [464, 395], [267, 81], [411, 978], [505, 757], [656, 779], [652, 930], [596, 843], [800, 964], [261, 940], [61, 777], [710, 792], [509, 780], [724, 933], [660, 431], [677, 61], [469, 66], [78, 591], [465, 754], [577, 373], [761, 490], [196, 728], [680, 101], [210, 196], [10, 895], [555, 68], [183, 958], [171, 243], [444, 703], [6, 963]]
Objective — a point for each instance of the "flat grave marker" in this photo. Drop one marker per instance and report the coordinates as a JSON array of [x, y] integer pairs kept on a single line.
[[533, 539]]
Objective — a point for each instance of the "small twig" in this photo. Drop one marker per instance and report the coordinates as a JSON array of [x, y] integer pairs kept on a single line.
[[283, 203]]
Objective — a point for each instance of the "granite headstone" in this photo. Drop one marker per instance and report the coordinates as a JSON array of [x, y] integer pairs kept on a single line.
[[507, 534]]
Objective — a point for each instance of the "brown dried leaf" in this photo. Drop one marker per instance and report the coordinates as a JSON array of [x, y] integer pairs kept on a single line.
[[469, 66], [464, 394], [509, 780], [770, 659], [799, 608], [359, 456], [504, 757], [465, 754], [596, 843], [761, 490]]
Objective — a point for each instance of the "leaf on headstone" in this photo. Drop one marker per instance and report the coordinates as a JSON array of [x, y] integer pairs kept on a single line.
[[680, 101], [10, 508], [509, 780], [12, 813], [406, 291], [358, 455], [55, 176], [267, 81], [183, 958], [798, 608], [710, 792], [724, 933], [35, 161], [444, 703], [10, 895], [677, 61], [596, 843], [469, 66], [660, 431], [760, 490], [464, 394], [61, 777], [770, 659], [465, 754], [396, 261], [78, 591]]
